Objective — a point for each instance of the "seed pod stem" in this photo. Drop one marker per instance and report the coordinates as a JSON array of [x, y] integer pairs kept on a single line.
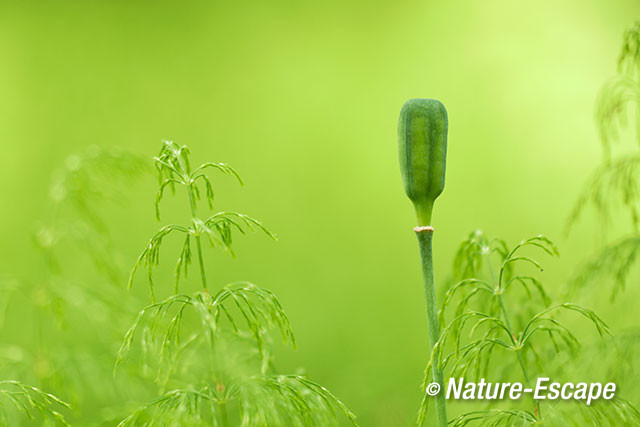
[[425, 240], [422, 145]]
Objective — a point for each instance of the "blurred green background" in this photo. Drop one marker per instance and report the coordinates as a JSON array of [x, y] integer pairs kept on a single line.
[[302, 99]]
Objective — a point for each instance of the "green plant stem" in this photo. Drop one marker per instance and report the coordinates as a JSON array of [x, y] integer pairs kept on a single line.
[[513, 340], [507, 322], [192, 203], [518, 351], [223, 412], [203, 274], [424, 211], [425, 238]]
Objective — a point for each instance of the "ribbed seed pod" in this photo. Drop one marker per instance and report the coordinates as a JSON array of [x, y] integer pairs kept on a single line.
[[422, 144]]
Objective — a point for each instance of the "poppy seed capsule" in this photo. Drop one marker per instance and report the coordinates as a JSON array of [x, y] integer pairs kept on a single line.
[[422, 143]]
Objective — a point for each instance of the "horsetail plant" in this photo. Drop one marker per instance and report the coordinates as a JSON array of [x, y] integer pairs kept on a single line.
[[230, 324], [174, 169], [484, 324], [422, 144], [615, 183], [614, 188], [73, 226]]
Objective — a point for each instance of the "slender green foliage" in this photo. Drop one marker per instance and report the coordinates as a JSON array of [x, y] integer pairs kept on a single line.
[[72, 231], [614, 184], [494, 417], [30, 401], [483, 326], [621, 91], [174, 169], [298, 402], [256, 307], [612, 188], [616, 261], [212, 338], [80, 189], [91, 176]]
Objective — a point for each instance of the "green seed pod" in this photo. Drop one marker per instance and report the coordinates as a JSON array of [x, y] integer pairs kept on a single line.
[[422, 143]]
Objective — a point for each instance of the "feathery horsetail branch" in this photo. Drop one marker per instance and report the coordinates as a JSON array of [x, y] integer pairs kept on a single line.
[[30, 401], [174, 168], [240, 383], [422, 144], [483, 325]]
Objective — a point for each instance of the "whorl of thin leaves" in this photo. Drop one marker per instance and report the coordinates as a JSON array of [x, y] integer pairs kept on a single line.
[[613, 184], [494, 417], [65, 299], [614, 261], [611, 113], [626, 348], [174, 168], [88, 178], [619, 355], [30, 401], [629, 59], [487, 333], [476, 251], [621, 91], [545, 322], [484, 331], [469, 342], [473, 252], [92, 176], [290, 400], [243, 308], [217, 229], [177, 408], [241, 304], [260, 401], [614, 412]]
